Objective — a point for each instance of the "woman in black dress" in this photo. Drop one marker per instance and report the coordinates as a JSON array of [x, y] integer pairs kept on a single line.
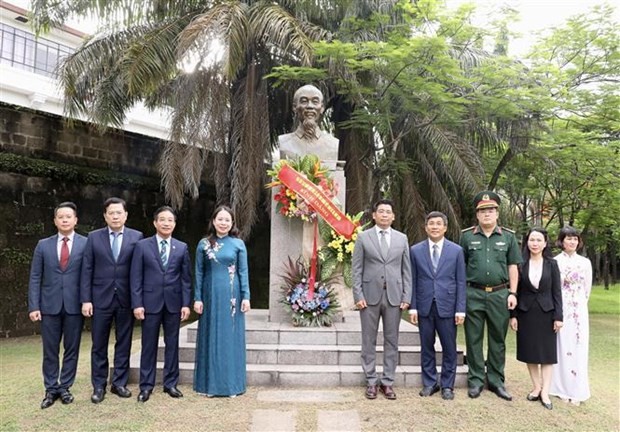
[[538, 315]]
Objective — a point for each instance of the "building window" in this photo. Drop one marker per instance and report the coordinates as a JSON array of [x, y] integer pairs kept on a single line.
[[22, 50]]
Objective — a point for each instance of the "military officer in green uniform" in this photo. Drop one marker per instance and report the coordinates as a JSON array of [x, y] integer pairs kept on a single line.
[[492, 256]]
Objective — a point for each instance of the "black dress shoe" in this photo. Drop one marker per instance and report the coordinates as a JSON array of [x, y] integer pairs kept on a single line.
[[549, 405], [447, 393], [371, 392], [474, 392], [144, 395], [121, 391], [533, 398], [48, 400], [388, 392], [501, 393], [98, 396], [66, 397], [173, 392], [429, 390]]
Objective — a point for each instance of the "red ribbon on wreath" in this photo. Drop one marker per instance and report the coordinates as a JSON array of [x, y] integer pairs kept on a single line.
[[323, 205]]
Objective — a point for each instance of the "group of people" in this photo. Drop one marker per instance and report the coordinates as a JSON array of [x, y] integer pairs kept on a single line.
[[116, 276], [483, 282]]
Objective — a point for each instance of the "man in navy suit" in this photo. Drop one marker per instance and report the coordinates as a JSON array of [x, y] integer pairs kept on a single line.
[[106, 297], [54, 299], [437, 302], [160, 296]]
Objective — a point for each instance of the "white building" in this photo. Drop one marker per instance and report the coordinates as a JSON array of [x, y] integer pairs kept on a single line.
[[28, 70]]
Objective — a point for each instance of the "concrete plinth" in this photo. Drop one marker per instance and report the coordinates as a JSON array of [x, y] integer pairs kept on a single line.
[[293, 238]]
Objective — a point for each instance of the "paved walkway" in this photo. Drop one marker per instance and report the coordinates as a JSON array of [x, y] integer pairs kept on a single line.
[[286, 420]]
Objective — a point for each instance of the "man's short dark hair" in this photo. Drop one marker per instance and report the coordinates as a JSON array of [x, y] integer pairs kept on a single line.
[[383, 201], [66, 204], [114, 200], [436, 214], [163, 209]]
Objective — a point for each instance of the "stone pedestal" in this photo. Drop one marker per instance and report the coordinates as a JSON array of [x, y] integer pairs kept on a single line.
[[287, 240]]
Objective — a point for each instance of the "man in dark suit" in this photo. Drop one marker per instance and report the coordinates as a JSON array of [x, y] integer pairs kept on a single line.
[[160, 296], [54, 299], [106, 297], [438, 302], [381, 289]]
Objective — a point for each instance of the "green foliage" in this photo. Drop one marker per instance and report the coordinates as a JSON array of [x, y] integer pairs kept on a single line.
[[12, 257], [11, 162]]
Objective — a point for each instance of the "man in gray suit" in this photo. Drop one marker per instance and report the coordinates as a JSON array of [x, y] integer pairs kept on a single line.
[[381, 290]]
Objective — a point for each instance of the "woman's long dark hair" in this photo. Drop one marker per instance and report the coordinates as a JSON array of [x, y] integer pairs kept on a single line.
[[211, 233], [546, 253]]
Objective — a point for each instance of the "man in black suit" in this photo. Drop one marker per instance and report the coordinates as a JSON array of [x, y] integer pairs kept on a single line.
[[106, 297], [160, 296], [54, 299]]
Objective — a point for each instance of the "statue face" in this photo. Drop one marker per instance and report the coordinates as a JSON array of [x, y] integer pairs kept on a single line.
[[308, 103]]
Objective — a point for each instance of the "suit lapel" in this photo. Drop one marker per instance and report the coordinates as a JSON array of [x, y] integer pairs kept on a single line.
[[155, 250], [427, 256], [105, 240], [374, 238], [74, 250], [52, 250], [442, 255]]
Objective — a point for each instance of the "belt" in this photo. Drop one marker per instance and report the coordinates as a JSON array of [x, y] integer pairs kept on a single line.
[[488, 288]]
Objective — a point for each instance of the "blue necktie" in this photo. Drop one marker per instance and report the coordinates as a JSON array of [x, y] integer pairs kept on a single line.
[[162, 253], [115, 245], [435, 256]]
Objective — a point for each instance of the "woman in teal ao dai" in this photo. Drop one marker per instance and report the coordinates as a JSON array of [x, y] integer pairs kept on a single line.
[[222, 296]]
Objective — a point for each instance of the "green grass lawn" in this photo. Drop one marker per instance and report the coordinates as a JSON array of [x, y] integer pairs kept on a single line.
[[604, 301], [21, 391]]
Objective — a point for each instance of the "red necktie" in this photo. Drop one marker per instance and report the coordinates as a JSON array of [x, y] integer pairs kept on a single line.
[[64, 254]]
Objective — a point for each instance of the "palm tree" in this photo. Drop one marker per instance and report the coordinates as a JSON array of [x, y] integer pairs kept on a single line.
[[163, 52]]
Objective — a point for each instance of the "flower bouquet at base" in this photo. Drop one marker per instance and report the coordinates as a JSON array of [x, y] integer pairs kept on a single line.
[[317, 310]]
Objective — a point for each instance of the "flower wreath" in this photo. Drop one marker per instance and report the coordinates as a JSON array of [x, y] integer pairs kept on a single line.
[[317, 311], [288, 204]]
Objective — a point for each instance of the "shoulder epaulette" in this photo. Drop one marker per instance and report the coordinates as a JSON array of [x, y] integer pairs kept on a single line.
[[509, 230], [470, 228]]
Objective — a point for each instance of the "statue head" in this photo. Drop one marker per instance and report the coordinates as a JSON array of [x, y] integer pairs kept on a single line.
[[308, 108]]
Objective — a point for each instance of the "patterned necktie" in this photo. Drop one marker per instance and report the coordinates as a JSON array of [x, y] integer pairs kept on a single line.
[[115, 247], [162, 253], [435, 256], [384, 244], [64, 254]]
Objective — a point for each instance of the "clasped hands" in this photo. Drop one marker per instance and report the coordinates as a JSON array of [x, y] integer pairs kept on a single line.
[[139, 313], [199, 306], [363, 305]]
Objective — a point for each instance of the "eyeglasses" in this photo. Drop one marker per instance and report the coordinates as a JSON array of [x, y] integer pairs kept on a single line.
[[382, 211]]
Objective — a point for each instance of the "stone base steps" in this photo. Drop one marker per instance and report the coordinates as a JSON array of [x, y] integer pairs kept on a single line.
[[279, 354], [305, 375], [313, 354]]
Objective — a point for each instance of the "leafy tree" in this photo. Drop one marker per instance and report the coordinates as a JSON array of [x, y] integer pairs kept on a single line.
[[204, 61]]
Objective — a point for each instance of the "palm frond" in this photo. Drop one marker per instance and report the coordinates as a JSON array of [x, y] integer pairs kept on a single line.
[[225, 23], [250, 143]]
